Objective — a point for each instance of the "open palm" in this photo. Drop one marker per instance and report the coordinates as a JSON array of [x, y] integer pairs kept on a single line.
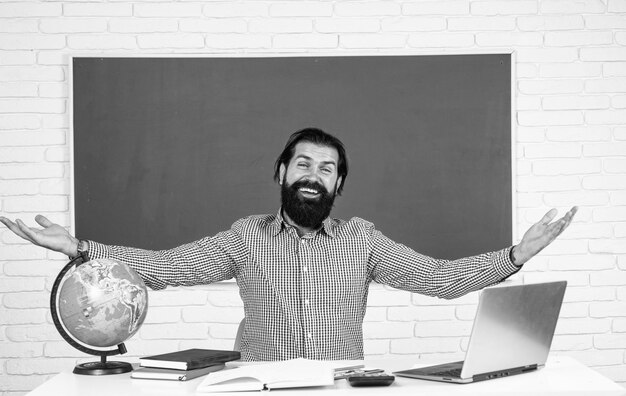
[[541, 234], [51, 236]]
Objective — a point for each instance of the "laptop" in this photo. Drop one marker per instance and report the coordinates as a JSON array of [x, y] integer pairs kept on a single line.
[[512, 333]]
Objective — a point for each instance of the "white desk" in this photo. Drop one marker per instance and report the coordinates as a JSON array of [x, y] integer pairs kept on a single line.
[[561, 376]]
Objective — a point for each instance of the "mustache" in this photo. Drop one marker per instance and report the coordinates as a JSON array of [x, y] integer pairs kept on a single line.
[[309, 184]]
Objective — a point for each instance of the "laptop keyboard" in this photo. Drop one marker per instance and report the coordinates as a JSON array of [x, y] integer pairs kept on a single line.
[[454, 373]]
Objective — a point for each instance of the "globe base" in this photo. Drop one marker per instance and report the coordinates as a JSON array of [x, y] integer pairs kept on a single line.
[[102, 368]]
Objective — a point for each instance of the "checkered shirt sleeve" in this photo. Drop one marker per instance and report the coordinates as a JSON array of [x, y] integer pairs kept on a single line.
[[307, 296]]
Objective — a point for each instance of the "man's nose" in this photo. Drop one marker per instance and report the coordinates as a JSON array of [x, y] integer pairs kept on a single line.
[[313, 175]]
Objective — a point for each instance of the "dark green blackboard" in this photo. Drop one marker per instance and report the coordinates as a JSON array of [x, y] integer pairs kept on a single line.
[[168, 150]]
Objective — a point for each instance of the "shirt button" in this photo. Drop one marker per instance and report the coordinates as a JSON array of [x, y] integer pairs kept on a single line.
[[306, 301], [309, 335], [303, 269]]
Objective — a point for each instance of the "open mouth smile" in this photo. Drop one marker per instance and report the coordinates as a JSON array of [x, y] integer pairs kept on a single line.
[[308, 192]]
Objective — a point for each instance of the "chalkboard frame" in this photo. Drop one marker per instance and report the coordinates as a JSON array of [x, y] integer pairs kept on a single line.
[[506, 52]]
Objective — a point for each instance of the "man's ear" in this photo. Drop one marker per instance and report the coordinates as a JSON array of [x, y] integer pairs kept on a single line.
[[338, 184], [281, 174]]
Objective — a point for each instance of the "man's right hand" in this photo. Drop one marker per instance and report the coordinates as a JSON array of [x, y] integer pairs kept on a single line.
[[52, 236]]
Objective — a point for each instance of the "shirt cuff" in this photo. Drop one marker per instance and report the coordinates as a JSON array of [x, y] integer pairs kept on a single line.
[[98, 250], [503, 263]]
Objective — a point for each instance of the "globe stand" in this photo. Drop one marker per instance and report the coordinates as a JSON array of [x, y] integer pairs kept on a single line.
[[90, 368], [102, 367]]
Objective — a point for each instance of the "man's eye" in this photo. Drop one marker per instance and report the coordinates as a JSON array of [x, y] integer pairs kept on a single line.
[[327, 171], [303, 165]]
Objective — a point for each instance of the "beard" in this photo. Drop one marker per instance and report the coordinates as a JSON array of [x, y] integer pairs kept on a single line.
[[306, 212]]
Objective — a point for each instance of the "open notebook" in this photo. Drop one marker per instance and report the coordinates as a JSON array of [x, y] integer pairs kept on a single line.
[[293, 373]]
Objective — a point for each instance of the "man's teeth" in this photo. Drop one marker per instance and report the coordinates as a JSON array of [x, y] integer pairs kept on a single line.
[[309, 190]]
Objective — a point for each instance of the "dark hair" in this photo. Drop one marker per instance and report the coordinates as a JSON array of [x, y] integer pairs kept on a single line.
[[315, 136]]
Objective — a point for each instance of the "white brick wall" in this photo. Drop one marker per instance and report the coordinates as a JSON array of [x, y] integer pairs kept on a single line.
[[571, 149]]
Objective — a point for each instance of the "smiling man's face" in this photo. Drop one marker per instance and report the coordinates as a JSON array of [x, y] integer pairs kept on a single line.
[[309, 183]]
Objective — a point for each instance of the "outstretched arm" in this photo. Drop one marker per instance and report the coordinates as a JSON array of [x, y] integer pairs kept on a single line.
[[52, 236], [204, 261], [540, 235], [396, 265]]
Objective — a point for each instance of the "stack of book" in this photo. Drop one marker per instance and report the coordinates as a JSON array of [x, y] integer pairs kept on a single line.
[[183, 365]]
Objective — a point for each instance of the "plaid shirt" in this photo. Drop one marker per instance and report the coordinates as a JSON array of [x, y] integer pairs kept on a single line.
[[306, 296]]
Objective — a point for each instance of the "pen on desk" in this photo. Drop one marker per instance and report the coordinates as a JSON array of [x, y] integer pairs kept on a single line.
[[357, 366], [340, 372], [348, 373]]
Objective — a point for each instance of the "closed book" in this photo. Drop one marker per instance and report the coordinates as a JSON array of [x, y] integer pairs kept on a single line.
[[174, 375], [293, 373], [189, 359]]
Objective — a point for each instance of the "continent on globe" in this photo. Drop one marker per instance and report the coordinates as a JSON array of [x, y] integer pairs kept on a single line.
[[102, 302]]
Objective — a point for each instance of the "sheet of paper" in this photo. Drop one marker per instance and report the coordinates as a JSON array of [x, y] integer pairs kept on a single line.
[[283, 374]]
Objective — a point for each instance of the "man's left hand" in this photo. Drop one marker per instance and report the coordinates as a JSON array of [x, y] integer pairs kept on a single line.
[[541, 234]]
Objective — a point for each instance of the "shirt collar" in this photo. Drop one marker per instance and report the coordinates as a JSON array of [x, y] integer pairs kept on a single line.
[[279, 223]]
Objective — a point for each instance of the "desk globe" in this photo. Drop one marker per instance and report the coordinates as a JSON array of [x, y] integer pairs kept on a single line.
[[96, 305]]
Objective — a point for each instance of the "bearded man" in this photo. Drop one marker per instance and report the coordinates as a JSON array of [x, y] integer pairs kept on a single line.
[[302, 275]]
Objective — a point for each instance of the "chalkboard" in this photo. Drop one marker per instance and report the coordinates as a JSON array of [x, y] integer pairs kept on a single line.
[[167, 150]]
